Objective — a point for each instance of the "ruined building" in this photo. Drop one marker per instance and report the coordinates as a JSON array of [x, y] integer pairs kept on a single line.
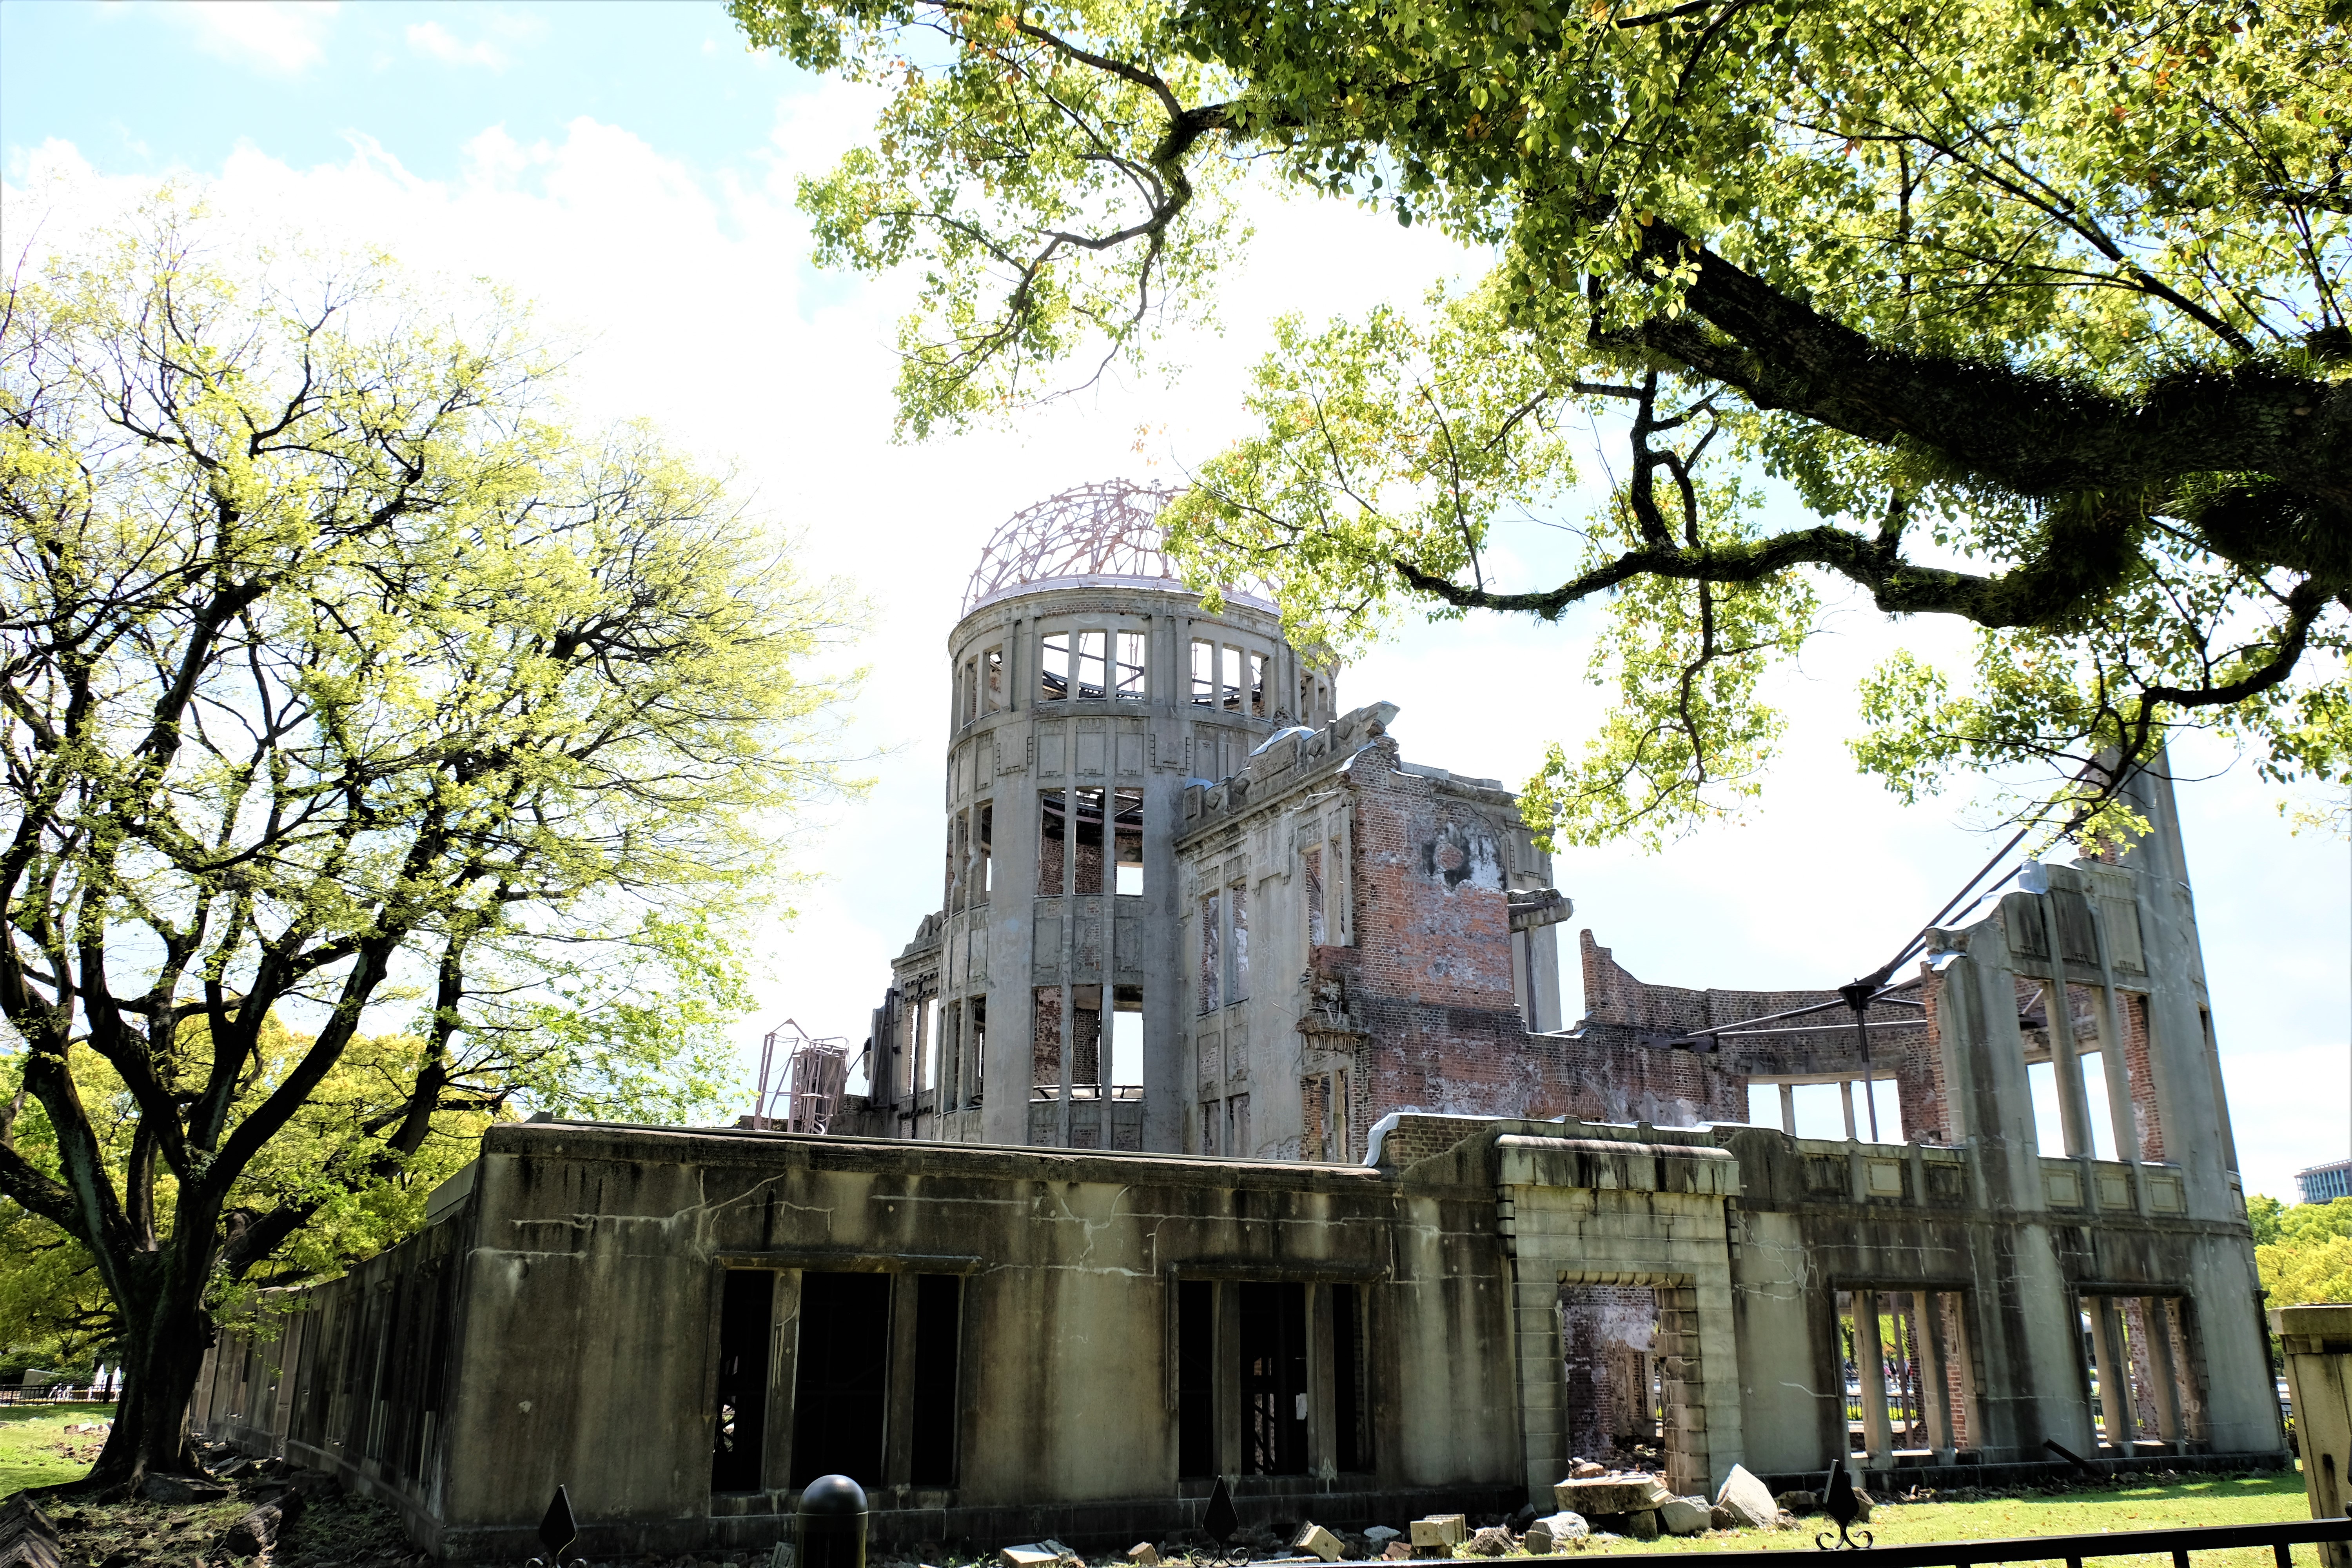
[[1224, 1123]]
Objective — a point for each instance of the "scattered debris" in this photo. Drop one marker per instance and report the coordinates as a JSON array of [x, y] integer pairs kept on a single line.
[[1554, 1530], [1747, 1501], [1380, 1535], [1143, 1554], [167, 1488], [1493, 1541], [1034, 1555], [1437, 1535], [1318, 1541]]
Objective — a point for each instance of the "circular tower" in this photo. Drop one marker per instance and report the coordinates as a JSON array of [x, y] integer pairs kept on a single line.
[[1042, 1004]]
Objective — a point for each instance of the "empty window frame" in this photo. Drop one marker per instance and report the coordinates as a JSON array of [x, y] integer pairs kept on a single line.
[[1053, 668], [841, 1396], [1212, 989], [969, 707], [1085, 1036], [1237, 944], [1273, 1335], [1089, 826], [1257, 706], [1045, 1043], [1127, 1034], [1052, 825], [1229, 673], [1127, 825], [1130, 673], [984, 832], [973, 1089], [1351, 1448], [991, 668], [747, 1299], [1196, 1378], [1310, 863], [1204, 674], [927, 1045], [1092, 679], [939, 1321]]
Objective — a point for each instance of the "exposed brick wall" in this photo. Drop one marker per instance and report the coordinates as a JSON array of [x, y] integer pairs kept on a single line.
[[2144, 1112], [1606, 1334]]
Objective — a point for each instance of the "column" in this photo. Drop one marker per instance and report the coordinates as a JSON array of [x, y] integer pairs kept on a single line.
[[1788, 1109], [1935, 1384], [2156, 1318], [2074, 1105], [2115, 1374], [1870, 1363], [1227, 1372], [2113, 1034], [1845, 1093]]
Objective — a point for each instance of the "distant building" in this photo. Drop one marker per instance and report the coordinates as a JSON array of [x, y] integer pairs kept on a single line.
[[2324, 1184]]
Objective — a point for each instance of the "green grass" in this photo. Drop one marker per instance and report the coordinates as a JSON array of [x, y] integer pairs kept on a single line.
[[2151, 1505], [35, 1449]]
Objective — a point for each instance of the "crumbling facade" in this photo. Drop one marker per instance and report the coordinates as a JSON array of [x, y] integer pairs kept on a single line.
[[1368, 1230]]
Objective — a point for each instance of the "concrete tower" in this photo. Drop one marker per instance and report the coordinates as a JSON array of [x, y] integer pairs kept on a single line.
[[1043, 1003]]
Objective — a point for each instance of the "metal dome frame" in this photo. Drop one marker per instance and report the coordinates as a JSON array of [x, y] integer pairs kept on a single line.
[[1107, 529]]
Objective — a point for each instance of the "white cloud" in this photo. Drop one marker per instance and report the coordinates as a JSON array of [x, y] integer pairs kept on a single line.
[[282, 37], [433, 38]]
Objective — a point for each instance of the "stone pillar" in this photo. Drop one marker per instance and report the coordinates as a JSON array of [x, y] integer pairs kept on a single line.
[[1845, 1093], [1788, 1109], [2115, 1374], [2317, 1342], [2155, 1325], [2074, 1105], [1935, 1387], [1870, 1367]]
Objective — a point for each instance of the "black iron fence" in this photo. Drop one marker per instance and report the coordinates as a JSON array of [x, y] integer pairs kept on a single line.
[[2072, 1550]]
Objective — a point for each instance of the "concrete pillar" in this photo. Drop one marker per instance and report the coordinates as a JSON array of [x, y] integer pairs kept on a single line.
[[2156, 1322], [2115, 1373], [1845, 1093], [1935, 1386], [2112, 1033], [1227, 1402], [1870, 1366], [2319, 1379], [2074, 1105], [1788, 1109]]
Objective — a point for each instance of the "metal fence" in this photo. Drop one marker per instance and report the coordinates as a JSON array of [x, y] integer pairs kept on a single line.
[[2072, 1550], [58, 1393]]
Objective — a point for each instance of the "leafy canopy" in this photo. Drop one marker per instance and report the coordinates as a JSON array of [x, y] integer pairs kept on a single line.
[[2302, 1251], [2037, 306], [337, 674]]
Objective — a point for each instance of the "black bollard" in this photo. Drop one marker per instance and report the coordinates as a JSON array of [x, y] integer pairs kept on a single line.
[[832, 1524]]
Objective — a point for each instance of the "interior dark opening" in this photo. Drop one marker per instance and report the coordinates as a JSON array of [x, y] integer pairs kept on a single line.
[[939, 1306], [1196, 1340], [1274, 1378], [1353, 1448], [746, 1307], [843, 1388]]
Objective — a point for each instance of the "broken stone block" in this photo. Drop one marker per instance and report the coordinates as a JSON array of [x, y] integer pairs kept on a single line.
[[1748, 1499], [1609, 1494], [1554, 1532], [1642, 1523], [1683, 1515], [1316, 1541], [1492, 1540], [1798, 1501], [167, 1488], [1396, 1552], [1585, 1470], [1438, 1530], [1030, 1556], [1721, 1518], [1143, 1554], [1057, 1549], [1862, 1497]]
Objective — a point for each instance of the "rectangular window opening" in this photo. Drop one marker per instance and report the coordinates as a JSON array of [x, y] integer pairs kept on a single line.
[[1352, 1450], [1046, 1042], [1311, 863], [1089, 825], [979, 1051], [1051, 825], [1274, 1378], [1204, 674], [984, 874], [1211, 991], [1257, 684], [1230, 680], [1237, 984], [1053, 668], [1127, 827], [1086, 1035], [1130, 666], [939, 1308], [1127, 1034], [992, 665], [1091, 675], [1608, 1336], [1196, 1380], [971, 689], [746, 1305], [842, 1387]]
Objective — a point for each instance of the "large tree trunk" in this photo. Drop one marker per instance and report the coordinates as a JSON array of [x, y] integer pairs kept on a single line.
[[165, 1333]]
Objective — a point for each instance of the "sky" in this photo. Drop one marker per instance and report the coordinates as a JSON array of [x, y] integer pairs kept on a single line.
[[631, 168]]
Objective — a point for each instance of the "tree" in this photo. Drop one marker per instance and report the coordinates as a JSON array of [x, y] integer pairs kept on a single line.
[[2038, 307], [339, 675], [2303, 1251]]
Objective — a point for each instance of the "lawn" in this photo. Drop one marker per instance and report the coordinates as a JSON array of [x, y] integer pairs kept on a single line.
[[35, 1449], [2152, 1504]]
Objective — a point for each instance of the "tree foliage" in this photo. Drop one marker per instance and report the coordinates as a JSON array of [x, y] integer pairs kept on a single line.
[[337, 674], [2302, 1251], [2036, 307]]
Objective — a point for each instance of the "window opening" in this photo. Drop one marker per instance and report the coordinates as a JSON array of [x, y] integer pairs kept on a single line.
[[1196, 1381], [1204, 674], [971, 689], [1209, 945], [1274, 1378], [1127, 1034], [1237, 1128], [1230, 680], [1213, 1115], [1086, 1035], [1608, 1336], [927, 1045], [1237, 989], [1053, 668], [1045, 1043], [1050, 826], [1128, 826], [1090, 840], [841, 1391], [746, 1305], [1091, 682], [979, 1050], [991, 664], [984, 876], [1311, 862], [1130, 665], [1353, 1448], [939, 1307], [1257, 684]]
